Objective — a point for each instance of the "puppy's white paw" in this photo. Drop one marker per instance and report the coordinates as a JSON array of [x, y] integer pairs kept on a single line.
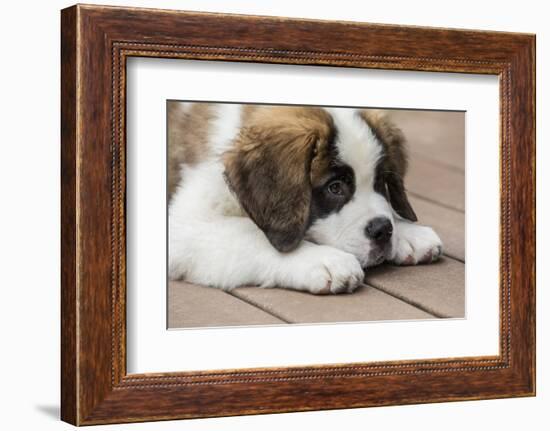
[[416, 244], [325, 270]]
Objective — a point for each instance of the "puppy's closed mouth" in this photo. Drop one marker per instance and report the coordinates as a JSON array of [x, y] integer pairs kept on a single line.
[[375, 258]]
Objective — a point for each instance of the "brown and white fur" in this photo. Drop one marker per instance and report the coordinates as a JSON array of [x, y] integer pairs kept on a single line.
[[304, 198]]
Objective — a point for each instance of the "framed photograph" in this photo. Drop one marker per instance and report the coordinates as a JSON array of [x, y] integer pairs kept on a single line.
[[263, 214]]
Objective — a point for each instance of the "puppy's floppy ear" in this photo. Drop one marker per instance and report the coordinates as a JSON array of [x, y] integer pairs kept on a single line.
[[393, 165], [398, 198], [269, 172]]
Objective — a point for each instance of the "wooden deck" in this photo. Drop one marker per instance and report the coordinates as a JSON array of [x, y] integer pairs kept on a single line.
[[436, 187]]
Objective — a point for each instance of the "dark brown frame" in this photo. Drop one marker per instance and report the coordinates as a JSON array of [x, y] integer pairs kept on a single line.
[[95, 43]]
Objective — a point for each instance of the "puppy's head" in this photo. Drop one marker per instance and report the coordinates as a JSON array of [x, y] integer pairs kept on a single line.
[[332, 176]]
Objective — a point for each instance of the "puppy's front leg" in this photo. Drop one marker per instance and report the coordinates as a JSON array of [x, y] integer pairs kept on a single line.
[[415, 244], [319, 269], [228, 252]]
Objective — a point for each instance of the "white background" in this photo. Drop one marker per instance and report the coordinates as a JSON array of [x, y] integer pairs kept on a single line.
[[153, 349], [29, 228]]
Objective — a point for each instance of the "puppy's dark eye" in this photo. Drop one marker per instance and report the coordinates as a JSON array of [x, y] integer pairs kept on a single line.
[[336, 187]]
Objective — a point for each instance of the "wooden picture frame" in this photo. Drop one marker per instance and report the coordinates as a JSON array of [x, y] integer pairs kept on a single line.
[[95, 43]]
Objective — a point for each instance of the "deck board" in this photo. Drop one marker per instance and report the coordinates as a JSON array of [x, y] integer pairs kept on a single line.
[[365, 304], [448, 224], [436, 183], [437, 288], [190, 306], [434, 136]]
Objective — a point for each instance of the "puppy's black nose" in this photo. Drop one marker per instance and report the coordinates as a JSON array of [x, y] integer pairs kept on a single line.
[[379, 229]]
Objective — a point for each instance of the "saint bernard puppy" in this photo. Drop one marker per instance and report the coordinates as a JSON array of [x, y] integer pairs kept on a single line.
[[300, 197]]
